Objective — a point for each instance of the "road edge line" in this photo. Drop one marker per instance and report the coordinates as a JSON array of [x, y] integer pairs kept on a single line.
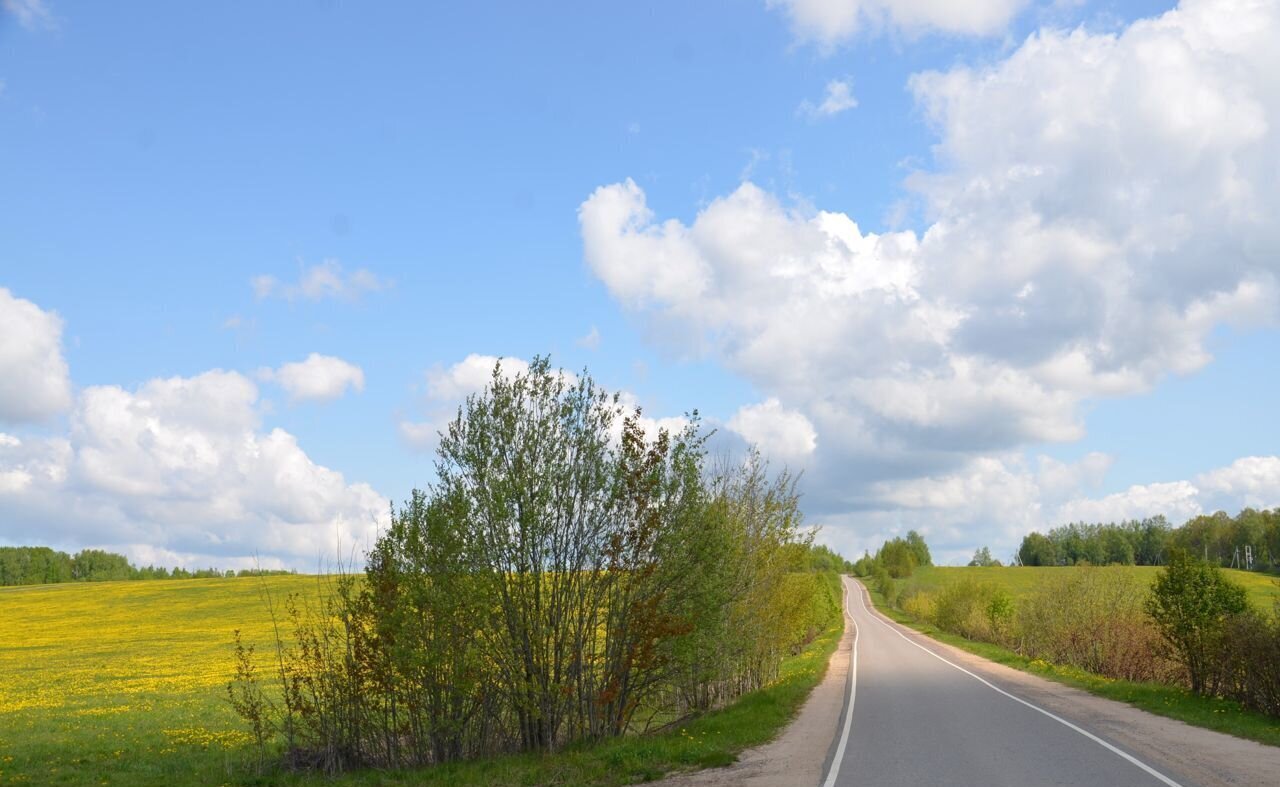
[[875, 615], [834, 770]]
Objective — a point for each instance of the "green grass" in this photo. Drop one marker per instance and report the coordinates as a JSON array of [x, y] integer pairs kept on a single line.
[[1176, 703], [1263, 589], [123, 683]]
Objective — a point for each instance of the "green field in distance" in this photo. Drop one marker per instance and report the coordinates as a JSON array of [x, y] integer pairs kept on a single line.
[[1263, 589]]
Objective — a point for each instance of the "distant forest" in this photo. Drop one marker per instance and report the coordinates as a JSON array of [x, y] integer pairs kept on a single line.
[[42, 566], [1249, 540]]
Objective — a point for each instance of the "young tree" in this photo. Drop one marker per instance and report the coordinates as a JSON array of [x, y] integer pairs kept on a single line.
[[530, 461], [1190, 603], [919, 548], [898, 558], [982, 557], [1038, 550]]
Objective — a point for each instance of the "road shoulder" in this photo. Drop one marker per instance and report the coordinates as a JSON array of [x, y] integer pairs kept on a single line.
[[797, 756]]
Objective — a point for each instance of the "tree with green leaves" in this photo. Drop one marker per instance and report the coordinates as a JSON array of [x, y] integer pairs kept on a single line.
[[919, 548], [898, 558], [983, 558], [570, 577], [1038, 550], [1191, 602], [95, 565]]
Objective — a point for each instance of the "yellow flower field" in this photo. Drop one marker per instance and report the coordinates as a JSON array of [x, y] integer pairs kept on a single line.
[[124, 682]]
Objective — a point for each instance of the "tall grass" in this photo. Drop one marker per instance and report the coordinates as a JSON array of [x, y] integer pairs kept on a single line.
[[1094, 619]]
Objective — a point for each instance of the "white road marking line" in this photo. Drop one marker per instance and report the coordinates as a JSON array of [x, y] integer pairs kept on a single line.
[[853, 687], [1134, 760]]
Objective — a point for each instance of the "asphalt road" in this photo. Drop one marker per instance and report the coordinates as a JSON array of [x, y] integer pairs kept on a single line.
[[914, 718]]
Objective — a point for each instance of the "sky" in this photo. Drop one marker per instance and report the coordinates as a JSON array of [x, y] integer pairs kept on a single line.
[[973, 268]]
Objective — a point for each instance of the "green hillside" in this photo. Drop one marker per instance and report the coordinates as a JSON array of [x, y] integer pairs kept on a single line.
[[1264, 589]]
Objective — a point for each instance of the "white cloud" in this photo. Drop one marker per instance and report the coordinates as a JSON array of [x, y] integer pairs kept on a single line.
[[448, 387], [317, 282], [1177, 500], [996, 500], [825, 318], [1101, 203], [830, 22], [34, 383], [591, 341], [263, 285], [318, 378], [29, 13], [420, 435], [183, 465], [470, 376], [779, 433], [1249, 481], [838, 98]]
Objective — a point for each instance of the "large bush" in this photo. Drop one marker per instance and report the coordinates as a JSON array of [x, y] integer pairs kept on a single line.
[[1249, 661], [972, 609], [1191, 602], [570, 578]]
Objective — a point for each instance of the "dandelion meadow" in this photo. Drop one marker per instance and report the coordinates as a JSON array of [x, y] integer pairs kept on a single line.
[[124, 682]]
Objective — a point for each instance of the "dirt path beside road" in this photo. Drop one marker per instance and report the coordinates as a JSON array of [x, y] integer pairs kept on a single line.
[[798, 755]]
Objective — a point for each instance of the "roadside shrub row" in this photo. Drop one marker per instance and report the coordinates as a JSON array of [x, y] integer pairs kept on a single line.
[[1192, 628], [571, 577]]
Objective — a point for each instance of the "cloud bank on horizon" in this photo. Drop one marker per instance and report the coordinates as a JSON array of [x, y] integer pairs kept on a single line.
[[1098, 204]]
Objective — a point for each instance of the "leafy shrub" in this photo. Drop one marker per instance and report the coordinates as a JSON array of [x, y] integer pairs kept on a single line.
[[1001, 612], [972, 609], [1190, 603], [884, 584], [1249, 664], [1094, 619], [559, 585], [916, 603]]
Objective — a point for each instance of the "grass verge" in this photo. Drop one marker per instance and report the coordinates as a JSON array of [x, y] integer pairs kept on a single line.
[[711, 740], [1176, 703]]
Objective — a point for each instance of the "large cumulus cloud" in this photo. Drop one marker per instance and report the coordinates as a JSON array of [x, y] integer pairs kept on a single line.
[[34, 383], [1100, 203]]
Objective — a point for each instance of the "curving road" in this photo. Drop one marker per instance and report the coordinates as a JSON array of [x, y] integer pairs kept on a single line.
[[913, 717]]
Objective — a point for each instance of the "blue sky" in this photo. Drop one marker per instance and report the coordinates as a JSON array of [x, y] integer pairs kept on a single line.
[[441, 165]]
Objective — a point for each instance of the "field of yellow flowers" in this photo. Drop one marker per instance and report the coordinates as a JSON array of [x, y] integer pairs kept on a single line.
[[124, 682]]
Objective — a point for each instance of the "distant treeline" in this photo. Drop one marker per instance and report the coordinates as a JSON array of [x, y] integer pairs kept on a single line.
[[1219, 539], [44, 566], [896, 558]]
